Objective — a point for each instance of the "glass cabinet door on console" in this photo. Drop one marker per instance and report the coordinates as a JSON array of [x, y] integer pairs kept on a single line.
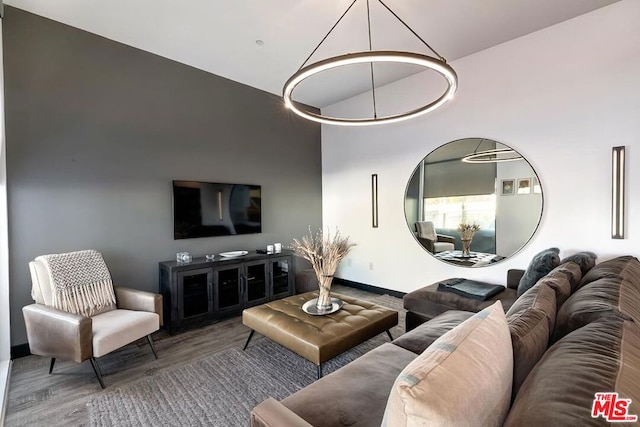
[[228, 289], [239, 286], [194, 295], [256, 287], [281, 277]]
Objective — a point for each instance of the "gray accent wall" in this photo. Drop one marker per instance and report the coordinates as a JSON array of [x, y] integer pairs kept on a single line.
[[97, 130]]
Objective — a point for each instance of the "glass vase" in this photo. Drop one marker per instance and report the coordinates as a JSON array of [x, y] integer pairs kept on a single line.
[[324, 293], [466, 247]]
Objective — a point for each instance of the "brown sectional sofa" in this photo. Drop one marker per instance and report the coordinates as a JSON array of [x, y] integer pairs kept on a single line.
[[572, 336]]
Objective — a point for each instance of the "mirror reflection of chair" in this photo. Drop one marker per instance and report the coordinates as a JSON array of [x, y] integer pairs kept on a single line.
[[432, 241], [80, 315]]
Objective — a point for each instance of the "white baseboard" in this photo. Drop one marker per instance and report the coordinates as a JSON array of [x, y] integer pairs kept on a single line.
[[5, 370]]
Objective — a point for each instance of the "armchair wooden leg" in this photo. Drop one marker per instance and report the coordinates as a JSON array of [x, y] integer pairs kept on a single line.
[[53, 362], [96, 369], [153, 348]]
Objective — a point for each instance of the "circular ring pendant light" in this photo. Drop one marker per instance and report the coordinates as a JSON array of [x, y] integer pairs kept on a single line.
[[496, 155], [373, 56], [438, 65]]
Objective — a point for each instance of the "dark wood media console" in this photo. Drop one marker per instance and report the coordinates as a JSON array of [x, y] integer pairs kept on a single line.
[[202, 291]]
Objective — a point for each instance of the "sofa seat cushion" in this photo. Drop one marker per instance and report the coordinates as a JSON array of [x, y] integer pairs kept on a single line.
[[429, 302], [354, 395], [463, 379], [602, 356], [610, 290], [116, 328], [418, 339]]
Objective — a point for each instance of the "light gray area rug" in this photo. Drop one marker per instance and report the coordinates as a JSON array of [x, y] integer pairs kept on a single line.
[[221, 389]]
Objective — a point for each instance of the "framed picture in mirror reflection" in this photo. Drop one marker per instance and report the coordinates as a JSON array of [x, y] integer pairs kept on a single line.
[[524, 186], [508, 187]]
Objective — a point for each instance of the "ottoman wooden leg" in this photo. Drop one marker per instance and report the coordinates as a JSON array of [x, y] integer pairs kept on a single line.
[[389, 333], [319, 370], [248, 339]]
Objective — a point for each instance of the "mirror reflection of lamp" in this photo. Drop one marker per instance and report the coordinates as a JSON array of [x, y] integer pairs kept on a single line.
[[494, 155]]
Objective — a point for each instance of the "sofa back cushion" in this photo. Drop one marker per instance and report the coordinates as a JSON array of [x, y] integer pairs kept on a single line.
[[560, 281], [586, 260], [464, 378], [572, 270], [563, 279], [610, 289], [530, 332], [609, 268], [603, 356], [541, 297]]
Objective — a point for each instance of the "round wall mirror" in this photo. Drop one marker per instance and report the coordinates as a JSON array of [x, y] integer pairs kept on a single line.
[[473, 202]]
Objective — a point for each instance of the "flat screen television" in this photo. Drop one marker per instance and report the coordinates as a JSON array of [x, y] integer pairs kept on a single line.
[[206, 209]]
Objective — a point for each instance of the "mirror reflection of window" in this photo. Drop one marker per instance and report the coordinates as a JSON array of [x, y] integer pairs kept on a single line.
[[450, 212], [536, 186], [447, 213]]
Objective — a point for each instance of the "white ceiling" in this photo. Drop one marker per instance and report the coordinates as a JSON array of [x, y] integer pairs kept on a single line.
[[219, 36]]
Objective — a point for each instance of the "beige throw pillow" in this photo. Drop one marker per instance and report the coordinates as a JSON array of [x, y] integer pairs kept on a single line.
[[463, 379]]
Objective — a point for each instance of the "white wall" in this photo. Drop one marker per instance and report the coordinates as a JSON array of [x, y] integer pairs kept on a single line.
[[5, 330], [562, 97], [517, 215]]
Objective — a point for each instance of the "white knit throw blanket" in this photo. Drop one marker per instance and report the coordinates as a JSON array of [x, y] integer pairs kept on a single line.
[[80, 282]]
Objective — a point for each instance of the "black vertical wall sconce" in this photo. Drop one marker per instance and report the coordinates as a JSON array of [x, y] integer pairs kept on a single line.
[[617, 193], [374, 200]]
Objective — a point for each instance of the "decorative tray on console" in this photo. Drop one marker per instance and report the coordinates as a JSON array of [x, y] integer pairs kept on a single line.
[[233, 254], [309, 307]]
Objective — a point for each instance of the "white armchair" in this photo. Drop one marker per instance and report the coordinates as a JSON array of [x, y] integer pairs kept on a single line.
[[78, 314], [432, 241]]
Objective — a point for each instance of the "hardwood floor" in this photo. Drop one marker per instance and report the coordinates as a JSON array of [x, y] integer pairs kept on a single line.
[[59, 399]]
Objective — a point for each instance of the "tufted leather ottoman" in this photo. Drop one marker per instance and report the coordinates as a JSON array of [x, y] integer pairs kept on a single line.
[[319, 338]]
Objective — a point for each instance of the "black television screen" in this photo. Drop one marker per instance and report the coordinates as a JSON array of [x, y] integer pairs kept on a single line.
[[205, 209]]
